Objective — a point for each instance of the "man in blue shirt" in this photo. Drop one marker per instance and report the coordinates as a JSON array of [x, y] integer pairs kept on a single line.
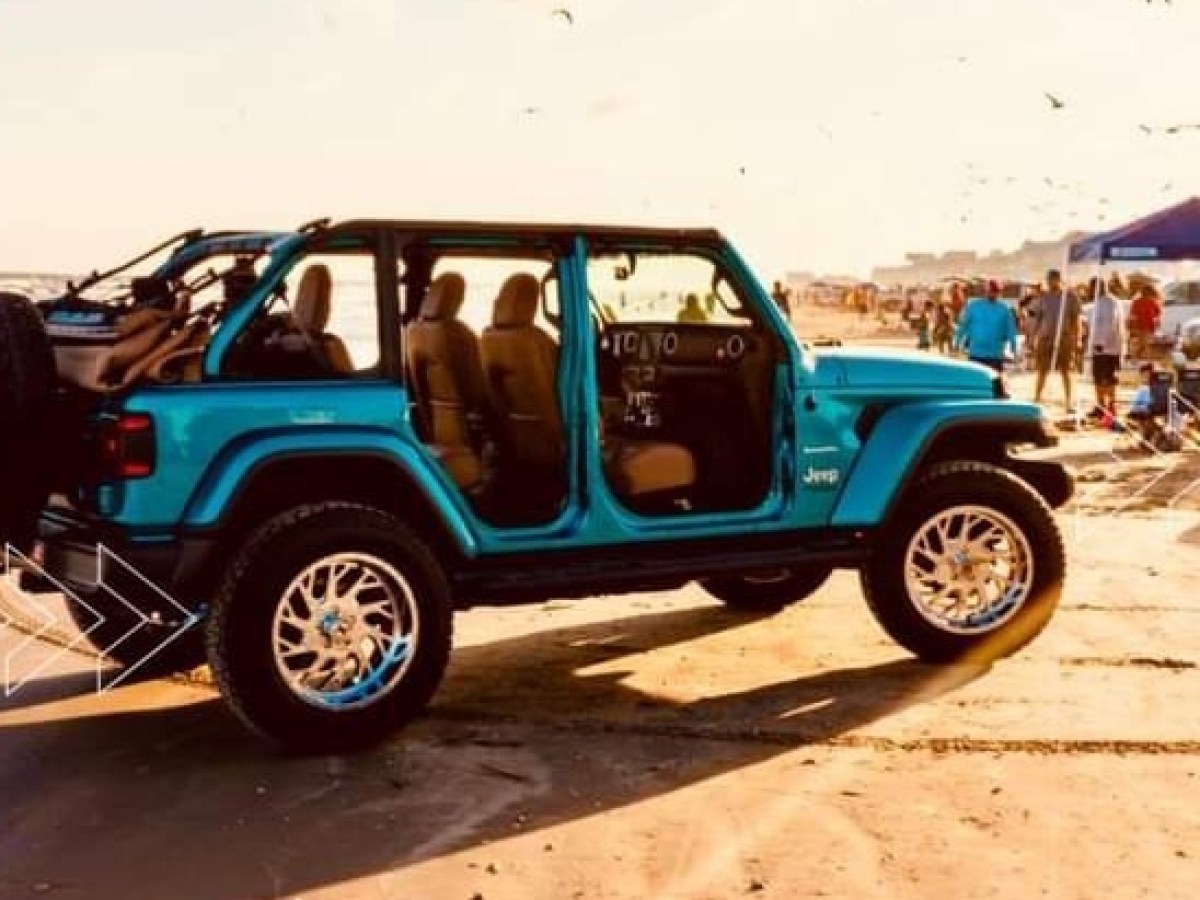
[[987, 330]]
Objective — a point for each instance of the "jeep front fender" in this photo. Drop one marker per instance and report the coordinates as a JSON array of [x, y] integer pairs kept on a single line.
[[905, 437]]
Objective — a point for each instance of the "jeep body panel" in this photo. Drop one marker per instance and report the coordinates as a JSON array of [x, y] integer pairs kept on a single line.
[[884, 374], [898, 440]]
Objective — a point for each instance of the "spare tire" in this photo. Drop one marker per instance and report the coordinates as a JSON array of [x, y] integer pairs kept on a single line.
[[27, 384]]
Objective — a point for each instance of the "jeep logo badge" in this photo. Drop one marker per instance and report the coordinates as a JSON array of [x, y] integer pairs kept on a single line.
[[821, 477]]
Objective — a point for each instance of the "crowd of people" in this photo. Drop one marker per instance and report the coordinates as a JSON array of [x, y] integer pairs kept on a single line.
[[1051, 328]]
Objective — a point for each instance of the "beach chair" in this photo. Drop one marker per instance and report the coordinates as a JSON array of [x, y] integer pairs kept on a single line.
[[1187, 398], [1156, 429]]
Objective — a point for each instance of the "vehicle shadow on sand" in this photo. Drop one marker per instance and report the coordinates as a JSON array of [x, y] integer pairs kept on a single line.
[[525, 734]]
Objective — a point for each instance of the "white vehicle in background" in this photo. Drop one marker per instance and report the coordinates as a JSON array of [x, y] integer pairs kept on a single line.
[[1181, 304], [1187, 346]]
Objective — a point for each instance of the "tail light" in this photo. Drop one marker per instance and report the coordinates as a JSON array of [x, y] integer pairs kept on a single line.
[[127, 446]]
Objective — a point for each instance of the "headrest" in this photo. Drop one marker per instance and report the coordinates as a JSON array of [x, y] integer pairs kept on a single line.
[[311, 308], [517, 302], [444, 298]]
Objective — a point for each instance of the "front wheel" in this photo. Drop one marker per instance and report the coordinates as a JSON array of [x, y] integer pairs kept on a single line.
[[971, 566], [332, 628]]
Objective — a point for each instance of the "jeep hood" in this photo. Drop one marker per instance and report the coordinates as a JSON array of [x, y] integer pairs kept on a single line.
[[899, 373]]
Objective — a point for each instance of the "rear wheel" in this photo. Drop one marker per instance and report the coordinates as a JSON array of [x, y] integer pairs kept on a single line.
[[27, 381], [332, 629], [767, 591], [970, 568]]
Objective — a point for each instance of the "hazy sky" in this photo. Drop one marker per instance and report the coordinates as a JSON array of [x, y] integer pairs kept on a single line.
[[829, 135]]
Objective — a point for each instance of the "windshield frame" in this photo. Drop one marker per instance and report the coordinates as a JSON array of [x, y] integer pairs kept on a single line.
[[749, 316]]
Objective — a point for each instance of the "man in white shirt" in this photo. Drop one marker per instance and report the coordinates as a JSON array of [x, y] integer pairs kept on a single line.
[[1106, 328]]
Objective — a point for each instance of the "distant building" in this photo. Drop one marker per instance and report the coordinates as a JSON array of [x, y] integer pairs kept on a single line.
[[1028, 262]]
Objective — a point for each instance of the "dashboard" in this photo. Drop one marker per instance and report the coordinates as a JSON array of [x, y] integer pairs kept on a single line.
[[677, 344], [708, 388]]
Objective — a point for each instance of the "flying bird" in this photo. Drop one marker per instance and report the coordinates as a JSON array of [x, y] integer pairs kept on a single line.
[[1055, 103], [565, 14]]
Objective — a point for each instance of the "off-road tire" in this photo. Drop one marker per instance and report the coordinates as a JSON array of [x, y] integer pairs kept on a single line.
[[142, 650], [238, 633], [945, 486], [766, 593], [27, 380]]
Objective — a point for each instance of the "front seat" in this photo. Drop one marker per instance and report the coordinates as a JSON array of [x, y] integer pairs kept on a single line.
[[521, 364], [311, 313], [446, 375]]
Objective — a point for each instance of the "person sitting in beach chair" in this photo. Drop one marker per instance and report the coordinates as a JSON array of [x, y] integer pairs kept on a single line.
[[1153, 412]]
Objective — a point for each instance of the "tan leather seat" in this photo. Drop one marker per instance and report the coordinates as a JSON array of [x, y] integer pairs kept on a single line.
[[636, 468], [446, 375], [521, 364], [311, 311], [462, 464]]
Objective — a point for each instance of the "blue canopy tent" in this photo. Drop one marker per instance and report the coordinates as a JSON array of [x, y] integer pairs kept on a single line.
[[1169, 235]]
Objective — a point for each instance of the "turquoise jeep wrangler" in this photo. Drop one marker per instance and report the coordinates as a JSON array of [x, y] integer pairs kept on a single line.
[[392, 420]]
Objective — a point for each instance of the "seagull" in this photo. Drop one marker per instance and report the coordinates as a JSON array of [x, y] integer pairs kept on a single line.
[[1146, 129], [565, 14], [1055, 103]]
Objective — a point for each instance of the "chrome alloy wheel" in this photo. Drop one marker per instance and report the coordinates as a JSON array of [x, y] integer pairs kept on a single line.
[[344, 631], [968, 569]]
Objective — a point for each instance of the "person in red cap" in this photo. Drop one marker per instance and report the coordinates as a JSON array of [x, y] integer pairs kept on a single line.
[[987, 330], [1145, 315]]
